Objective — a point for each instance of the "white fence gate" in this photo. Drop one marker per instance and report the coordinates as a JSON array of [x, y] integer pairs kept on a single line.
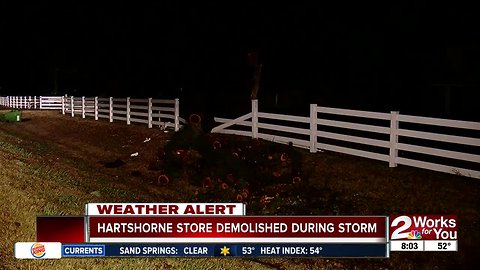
[[389, 137], [50, 103]]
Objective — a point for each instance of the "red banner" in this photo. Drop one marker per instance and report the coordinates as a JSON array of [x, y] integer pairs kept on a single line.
[[265, 227], [67, 229]]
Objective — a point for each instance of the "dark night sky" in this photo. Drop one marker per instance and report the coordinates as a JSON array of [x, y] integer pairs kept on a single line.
[[373, 57]]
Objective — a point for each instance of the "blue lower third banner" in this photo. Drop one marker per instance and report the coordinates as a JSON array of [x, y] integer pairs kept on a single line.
[[225, 250]]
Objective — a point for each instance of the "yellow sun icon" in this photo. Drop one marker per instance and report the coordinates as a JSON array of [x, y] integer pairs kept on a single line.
[[225, 251]]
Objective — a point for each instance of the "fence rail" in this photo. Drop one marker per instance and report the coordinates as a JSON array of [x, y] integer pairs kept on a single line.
[[390, 137], [163, 113]]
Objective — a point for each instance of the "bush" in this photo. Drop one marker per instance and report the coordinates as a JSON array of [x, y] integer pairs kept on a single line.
[[232, 168]]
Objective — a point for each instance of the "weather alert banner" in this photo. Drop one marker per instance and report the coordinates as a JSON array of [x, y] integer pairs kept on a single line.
[[165, 209], [423, 232], [72, 229]]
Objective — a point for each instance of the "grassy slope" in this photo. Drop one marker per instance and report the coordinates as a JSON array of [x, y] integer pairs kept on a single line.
[[30, 187]]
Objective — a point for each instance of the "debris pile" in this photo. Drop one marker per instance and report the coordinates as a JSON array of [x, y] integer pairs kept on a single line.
[[262, 174]]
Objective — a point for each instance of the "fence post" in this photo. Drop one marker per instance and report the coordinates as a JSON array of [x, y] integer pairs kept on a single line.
[[83, 106], [313, 128], [177, 114], [72, 106], [63, 105], [149, 112], [160, 125], [254, 118], [34, 102], [128, 110], [111, 109], [25, 102], [29, 102], [393, 138], [96, 108]]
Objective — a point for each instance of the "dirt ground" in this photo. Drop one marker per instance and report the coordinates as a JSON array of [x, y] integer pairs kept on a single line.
[[96, 158], [98, 147]]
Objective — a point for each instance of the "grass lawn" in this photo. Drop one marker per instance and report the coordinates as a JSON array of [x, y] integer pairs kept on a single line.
[[52, 165]]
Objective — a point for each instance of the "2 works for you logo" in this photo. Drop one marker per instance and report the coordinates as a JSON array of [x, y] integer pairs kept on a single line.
[[423, 227]]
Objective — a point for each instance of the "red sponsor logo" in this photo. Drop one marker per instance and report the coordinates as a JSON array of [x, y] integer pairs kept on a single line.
[[38, 250]]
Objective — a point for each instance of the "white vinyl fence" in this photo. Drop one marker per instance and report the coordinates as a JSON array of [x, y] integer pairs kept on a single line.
[[443, 145], [21, 102], [32, 102], [153, 112]]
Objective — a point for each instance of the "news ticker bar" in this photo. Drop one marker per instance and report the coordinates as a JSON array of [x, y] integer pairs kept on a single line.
[[424, 245], [32, 250], [199, 224]]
